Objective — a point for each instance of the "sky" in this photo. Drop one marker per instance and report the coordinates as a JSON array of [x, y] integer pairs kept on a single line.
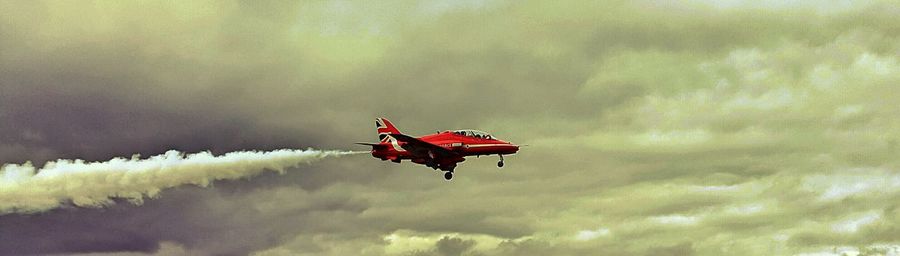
[[654, 127]]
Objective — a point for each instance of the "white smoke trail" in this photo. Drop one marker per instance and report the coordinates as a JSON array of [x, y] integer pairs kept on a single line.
[[25, 189]]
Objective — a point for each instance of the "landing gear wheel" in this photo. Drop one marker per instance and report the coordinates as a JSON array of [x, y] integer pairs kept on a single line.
[[500, 164], [448, 176]]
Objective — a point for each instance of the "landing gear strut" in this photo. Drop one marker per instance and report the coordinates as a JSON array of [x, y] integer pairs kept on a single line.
[[500, 164]]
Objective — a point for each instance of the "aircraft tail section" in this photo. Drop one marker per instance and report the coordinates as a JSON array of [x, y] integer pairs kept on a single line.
[[385, 128]]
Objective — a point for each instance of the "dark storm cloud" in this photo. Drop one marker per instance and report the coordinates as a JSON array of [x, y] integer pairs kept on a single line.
[[100, 95]]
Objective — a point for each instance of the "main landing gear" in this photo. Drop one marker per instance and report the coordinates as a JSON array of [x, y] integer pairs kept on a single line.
[[448, 171], [500, 164]]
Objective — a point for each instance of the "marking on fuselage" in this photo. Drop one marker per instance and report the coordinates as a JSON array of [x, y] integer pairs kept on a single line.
[[394, 144], [485, 145]]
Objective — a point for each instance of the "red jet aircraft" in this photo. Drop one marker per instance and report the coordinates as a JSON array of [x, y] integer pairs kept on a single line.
[[442, 150]]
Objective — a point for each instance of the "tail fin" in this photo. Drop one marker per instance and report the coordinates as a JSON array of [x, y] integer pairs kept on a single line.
[[385, 128]]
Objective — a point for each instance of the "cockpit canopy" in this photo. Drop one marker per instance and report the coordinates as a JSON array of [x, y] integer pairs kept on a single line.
[[474, 134]]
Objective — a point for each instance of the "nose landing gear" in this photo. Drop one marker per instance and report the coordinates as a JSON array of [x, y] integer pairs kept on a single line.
[[500, 164], [448, 175]]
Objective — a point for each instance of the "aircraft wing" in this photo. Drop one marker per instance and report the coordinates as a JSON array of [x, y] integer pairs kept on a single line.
[[421, 148]]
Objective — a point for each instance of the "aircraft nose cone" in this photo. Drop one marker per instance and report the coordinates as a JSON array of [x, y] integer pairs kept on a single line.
[[511, 148]]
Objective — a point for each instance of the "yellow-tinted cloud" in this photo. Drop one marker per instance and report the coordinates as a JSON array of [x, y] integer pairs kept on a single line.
[[656, 127]]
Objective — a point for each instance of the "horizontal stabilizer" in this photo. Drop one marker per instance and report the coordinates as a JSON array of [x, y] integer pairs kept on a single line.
[[374, 145]]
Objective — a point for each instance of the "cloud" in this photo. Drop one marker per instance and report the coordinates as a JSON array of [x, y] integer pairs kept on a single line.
[[759, 127], [591, 234], [853, 225]]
